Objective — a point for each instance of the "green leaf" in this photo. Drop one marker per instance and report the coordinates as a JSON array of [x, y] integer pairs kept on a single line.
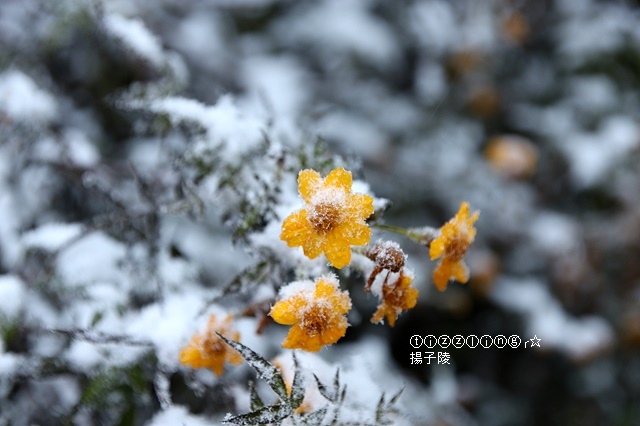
[[137, 379], [256, 402], [315, 418], [330, 394], [386, 407], [97, 317], [324, 391], [96, 391], [297, 389], [380, 409], [395, 397], [264, 415], [265, 370]]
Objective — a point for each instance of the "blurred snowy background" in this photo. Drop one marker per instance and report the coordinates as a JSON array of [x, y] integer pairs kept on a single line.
[[145, 148]]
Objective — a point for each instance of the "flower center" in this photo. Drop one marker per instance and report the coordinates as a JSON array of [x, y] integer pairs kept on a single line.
[[213, 346], [315, 320], [387, 255], [324, 216], [457, 247]]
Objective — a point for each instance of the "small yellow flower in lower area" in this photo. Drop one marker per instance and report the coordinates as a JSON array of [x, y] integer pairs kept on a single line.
[[207, 350], [452, 244], [332, 220], [396, 297], [316, 310]]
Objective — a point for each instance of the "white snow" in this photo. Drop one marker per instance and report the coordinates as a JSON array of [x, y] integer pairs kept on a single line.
[[366, 371], [589, 33], [51, 236], [9, 363], [169, 325], [201, 37], [47, 345], [431, 82], [86, 356], [298, 288], [434, 24], [362, 136], [344, 26], [225, 123], [385, 277], [80, 151], [437, 26], [89, 357], [578, 338], [95, 257], [593, 155], [554, 233], [134, 35], [178, 415], [12, 296], [597, 95], [196, 242], [22, 100], [280, 81]]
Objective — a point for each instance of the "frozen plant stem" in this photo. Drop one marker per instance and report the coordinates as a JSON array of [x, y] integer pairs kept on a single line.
[[422, 235]]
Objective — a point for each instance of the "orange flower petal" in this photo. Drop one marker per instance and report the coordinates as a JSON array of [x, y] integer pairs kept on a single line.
[[455, 237], [460, 272], [361, 206], [217, 365], [378, 315], [340, 301], [436, 249], [396, 297], [337, 330], [286, 311], [392, 315], [313, 247], [338, 253], [339, 178], [441, 275], [190, 355], [411, 298], [234, 357], [324, 288], [297, 338], [357, 234], [309, 181], [207, 350], [296, 229]]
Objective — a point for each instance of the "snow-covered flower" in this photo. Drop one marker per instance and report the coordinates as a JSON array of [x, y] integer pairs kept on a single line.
[[386, 255], [396, 297], [452, 244], [208, 350], [316, 310], [332, 220]]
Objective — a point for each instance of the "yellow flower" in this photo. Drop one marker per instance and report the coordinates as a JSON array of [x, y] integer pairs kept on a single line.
[[332, 220], [317, 311], [452, 244], [395, 298], [208, 350]]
